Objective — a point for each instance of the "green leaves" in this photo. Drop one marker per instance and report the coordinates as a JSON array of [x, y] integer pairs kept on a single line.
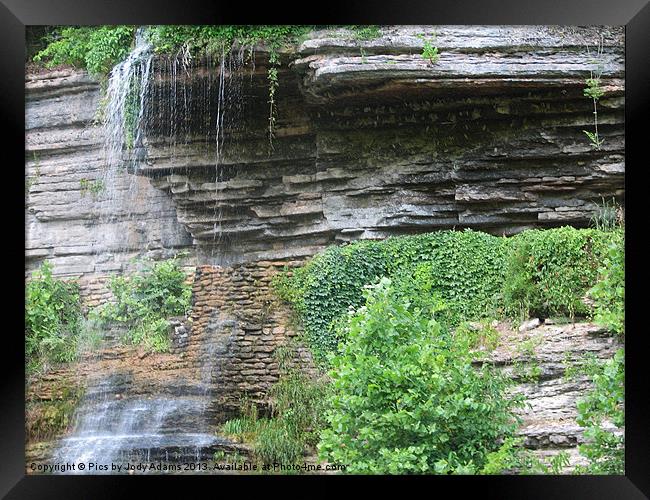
[[52, 318], [604, 404], [593, 89], [461, 271], [609, 292], [549, 271], [144, 301], [406, 398], [96, 49]]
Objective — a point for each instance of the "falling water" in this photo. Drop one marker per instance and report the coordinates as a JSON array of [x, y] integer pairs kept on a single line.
[[126, 101], [229, 108], [114, 430], [111, 425]]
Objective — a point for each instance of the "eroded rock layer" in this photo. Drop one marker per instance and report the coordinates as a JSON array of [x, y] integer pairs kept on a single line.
[[85, 222], [373, 140]]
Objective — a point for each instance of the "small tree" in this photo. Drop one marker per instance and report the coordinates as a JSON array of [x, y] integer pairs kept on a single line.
[[406, 397]]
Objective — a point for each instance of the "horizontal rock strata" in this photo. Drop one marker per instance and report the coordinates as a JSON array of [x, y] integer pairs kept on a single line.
[[372, 140], [537, 360], [87, 222]]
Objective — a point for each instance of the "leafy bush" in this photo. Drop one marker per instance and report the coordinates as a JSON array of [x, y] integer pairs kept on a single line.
[[144, 301], [52, 318], [170, 38], [609, 292], [406, 397], [537, 272], [464, 268], [550, 271], [95, 48], [604, 449]]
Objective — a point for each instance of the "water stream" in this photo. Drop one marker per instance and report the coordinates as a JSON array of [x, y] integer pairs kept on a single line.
[[115, 424]]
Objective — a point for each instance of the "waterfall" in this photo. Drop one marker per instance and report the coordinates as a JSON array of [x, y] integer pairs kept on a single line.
[[116, 423], [126, 101]]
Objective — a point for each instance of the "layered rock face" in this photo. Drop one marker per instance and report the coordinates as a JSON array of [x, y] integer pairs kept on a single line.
[[374, 140], [370, 140], [538, 360], [87, 223]]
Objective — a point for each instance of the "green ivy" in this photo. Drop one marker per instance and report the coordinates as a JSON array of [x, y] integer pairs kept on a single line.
[[539, 272]]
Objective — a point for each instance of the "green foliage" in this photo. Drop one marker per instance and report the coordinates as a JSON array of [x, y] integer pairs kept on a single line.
[[594, 91], [276, 442], [92, 187], [297, 408], [595, 140], [482, 335], [465, 269], [609, 292], [429, 51], [95, 48], [365, 31], [550, 271], [406, 398], [169, 38], [608, 216], [537, 272], [604, 449], [299, 403], [52, 318], [144, 301], [45, 419]]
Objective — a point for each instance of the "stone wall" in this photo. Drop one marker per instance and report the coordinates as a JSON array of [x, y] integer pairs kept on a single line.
[[239, 322]]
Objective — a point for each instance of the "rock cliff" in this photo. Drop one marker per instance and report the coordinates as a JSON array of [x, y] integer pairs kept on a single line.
[[370, 140]]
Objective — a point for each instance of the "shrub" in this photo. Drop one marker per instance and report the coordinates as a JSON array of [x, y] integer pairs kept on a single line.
[[463, 268], [144, 302], [95, 48], [52, 318], [609, 292], [537, 272], [604, 449], [406, 397], [550, 271]]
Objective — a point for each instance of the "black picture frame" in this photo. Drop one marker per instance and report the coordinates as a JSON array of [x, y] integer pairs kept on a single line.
[[634, 14]]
